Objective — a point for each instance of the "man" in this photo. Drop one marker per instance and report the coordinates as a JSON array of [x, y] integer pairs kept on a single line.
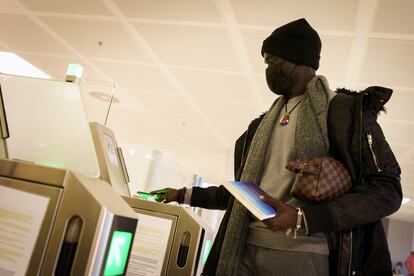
[[338, 237], [409, 263]]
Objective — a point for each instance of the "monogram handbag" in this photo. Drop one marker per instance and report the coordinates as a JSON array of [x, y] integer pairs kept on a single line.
[[319, 179]]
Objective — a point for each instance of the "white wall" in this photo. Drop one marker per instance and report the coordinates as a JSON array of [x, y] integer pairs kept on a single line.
[[229, 166], [400, 236], [151, 169], [412, 247]]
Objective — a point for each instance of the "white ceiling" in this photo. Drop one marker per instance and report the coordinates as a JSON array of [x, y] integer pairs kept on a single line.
[[189, 74]]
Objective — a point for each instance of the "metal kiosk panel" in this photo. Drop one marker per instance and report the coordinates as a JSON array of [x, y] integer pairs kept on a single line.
[[29, 199], [61, 223], [110, 158], [185, 242]]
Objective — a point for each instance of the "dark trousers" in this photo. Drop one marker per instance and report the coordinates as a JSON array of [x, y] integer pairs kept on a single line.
[[260, 261]]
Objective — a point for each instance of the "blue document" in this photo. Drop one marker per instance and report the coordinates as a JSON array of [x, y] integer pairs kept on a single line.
[[248, 195]]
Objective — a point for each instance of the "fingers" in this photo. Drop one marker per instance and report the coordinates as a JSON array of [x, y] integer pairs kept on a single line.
[[286, 214], [160, 192], [165, 195], [159, 198], [274, 224], [272, 201], [159, 195]]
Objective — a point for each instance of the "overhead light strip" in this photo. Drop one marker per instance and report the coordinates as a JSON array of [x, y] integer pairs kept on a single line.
[[12, 64]]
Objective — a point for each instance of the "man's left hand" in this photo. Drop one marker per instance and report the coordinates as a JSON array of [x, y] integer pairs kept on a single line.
[[285, 217]]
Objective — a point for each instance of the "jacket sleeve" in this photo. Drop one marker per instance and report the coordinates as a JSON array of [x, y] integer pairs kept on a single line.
[[376, 195], [377, 198], [210, 198]]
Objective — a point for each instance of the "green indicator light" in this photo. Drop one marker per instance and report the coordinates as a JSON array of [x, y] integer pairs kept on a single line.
[[147, 196], [75, 70], [118, 253], [207, 249], [51, 164]]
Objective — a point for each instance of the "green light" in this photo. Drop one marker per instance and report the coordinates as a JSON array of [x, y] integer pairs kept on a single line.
[[207, 249], [51, 164], [118, 253], [147, 196], [75, 70]]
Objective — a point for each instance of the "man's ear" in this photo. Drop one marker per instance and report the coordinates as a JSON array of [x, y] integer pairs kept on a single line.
[[305, 70]]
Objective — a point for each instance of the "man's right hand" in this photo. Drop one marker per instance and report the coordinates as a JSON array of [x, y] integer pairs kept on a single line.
[[165, 195]]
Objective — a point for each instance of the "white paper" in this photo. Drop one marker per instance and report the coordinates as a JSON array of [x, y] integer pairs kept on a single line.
[[21, 216], [110, 149], [150, 245]]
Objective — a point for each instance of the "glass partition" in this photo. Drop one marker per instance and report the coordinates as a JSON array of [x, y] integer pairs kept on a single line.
[[47, 124], [97, 96]]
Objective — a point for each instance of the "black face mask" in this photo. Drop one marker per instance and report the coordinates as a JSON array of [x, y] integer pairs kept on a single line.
[[278, 82]]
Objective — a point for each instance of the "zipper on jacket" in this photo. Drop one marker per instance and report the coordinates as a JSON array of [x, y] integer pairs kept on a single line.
[[339, 263], [350, 257], [372, 150]]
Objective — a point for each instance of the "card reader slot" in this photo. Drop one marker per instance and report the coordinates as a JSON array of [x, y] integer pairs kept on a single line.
[[69, 246], [183, 249]]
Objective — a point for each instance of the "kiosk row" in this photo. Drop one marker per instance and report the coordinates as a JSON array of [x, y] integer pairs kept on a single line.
[[68, 214]]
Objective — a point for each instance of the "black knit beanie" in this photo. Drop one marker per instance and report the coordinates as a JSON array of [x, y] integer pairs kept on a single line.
[[297, 42]]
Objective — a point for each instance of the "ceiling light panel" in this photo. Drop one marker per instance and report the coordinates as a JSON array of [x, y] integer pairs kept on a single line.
[[27, 36], [6, 6], [394, 17], [133, 117], [135, 77], [13, 64], [199, 47], [95, 7], [182, 10], [98, 38], [165, 103], [214, 85], [327, 15]]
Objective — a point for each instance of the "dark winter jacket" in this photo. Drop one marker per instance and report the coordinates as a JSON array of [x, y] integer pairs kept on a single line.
[[352, 222]]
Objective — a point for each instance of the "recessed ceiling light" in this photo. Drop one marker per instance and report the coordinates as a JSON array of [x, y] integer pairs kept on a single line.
[[12, 64], [405, 200]]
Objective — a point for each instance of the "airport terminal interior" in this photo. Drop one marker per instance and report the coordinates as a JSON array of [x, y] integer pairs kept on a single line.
[[105, 101]]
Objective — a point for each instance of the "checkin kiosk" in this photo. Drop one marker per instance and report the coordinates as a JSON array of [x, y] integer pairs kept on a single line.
[[56, 216], [170, 239]]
